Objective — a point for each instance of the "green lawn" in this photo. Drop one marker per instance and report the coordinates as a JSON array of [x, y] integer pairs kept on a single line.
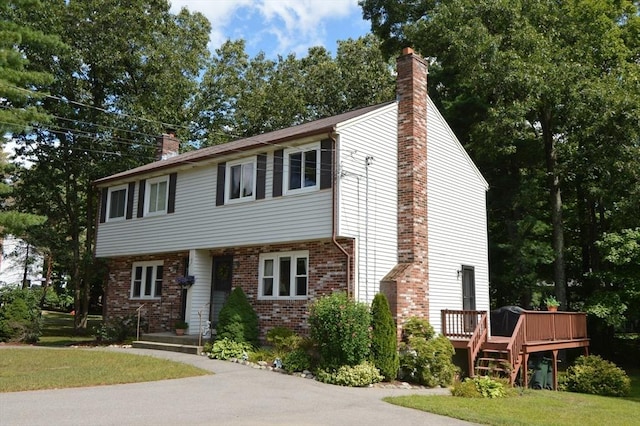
[[31, 368], [538, 407]]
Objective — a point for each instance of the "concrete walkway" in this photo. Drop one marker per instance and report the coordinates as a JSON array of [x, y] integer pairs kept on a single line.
[[234, 395]]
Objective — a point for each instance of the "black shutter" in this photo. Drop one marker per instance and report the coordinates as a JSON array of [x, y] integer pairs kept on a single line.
[[103, 204], [222, 167], [261, 176], [171, 203], [142, 186], [130, 189], [326, 163], [277, 172]]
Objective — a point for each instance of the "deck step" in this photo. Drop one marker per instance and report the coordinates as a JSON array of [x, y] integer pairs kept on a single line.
[[173, 347]]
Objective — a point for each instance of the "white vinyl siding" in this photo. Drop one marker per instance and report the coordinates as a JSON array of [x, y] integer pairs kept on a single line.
[[367, 195], [199, 224], [457, 221]]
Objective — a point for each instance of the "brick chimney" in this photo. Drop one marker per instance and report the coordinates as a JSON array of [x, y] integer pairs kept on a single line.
[[407, 284], [167, 145]]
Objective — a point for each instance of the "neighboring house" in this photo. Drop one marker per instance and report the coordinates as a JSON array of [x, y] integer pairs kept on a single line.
[[16, 256], [383, 198]]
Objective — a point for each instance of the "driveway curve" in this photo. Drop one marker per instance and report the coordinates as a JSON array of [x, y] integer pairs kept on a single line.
[[234, 395]]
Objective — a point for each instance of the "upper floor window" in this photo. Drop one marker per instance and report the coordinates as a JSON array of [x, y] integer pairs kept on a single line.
[[117, 202], [241, 182], [146, 280], [302, 169], [284, 275], [156, 195]]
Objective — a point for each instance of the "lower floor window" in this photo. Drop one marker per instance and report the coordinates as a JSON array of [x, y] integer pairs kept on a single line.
[[146, 280], [284, 275]]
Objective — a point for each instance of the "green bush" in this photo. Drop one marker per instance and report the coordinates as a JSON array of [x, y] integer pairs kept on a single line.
[[296, 360], [384, 341], [359, 375], [594, 375], [262, 354], [423, 360], [283, 340], [238, 321], [226, 348], [119, 329], [340, 328], [20, 319], [479, 387]]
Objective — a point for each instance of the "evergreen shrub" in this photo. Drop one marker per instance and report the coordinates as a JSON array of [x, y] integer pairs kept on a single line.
[[238, 320], [20, 317], [340, 328], [384, 343], [425, 359], [594, 375]]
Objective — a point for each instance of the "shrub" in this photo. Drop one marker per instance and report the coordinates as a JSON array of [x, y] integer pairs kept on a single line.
[[384, 341], [119, 329], [238, 321], [423, 360], [296, 360], [20, 319], [359, 375], [226, 348], [340, 328], [261, 354], [284, 340], [479, 387], [594, 375]]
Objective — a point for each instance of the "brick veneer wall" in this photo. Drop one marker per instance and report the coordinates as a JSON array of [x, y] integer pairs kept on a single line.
[[327, 273], [161, 313], [406, 286]]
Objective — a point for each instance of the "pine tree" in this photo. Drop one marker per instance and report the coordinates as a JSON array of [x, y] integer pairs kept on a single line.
[[238, 321]]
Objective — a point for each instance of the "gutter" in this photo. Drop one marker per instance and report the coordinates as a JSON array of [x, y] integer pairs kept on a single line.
[[334, 211]]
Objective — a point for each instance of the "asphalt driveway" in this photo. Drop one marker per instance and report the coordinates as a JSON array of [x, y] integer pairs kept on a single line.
[[234, 395]]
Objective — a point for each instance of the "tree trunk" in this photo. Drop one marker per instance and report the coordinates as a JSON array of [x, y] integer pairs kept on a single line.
[[559, 271], [26, 268]]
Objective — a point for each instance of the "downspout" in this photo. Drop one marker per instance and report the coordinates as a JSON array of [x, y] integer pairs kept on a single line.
[[334, 202]]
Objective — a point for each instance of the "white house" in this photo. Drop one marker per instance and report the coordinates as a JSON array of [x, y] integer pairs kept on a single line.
[[383, 198]]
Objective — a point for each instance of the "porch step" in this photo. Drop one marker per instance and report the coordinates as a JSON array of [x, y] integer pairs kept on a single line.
[[163, 346]]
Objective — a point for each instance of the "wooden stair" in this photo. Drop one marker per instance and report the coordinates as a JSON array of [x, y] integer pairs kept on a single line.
[[170, 342], [493, 363]]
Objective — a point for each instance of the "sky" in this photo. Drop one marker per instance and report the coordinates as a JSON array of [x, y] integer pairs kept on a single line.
[[280, 27]]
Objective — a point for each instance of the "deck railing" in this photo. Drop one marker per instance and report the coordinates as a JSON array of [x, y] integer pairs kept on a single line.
[[514, 348], [555, 325]]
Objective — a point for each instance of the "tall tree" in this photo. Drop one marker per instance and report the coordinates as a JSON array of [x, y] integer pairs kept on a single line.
[[519, 76], [129, 72]]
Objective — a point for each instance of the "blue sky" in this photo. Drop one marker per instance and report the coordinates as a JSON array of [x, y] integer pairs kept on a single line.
[[280, 27]]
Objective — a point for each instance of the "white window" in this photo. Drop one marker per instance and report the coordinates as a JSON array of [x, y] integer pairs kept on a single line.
[[302, 170], [146, 280], [241, 181], [284, 275], [156, 195], [117, 203]]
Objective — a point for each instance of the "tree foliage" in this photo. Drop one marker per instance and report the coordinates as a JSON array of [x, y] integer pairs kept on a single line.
[[384, 340], [546, 97], [237, 320]]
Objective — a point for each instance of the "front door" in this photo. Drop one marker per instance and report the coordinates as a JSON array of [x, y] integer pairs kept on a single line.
[[469, 296], [220, 285]]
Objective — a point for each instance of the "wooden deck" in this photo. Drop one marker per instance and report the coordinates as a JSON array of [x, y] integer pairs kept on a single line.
[[535, 331]]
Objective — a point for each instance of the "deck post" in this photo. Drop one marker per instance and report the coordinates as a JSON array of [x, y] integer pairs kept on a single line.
[[555, 369], [525, 369]]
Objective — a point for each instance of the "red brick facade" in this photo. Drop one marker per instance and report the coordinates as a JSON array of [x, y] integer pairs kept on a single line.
[[327, 273], [160, 314], [406, 286]]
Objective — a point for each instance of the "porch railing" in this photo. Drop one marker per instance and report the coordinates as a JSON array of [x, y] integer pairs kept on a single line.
[[555, 325], [472, 325]]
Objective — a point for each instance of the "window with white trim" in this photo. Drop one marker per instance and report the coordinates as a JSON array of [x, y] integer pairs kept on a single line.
[[241, 180], [284, 275], [117, 202], [146, 280], [302, 168], [156, 195]]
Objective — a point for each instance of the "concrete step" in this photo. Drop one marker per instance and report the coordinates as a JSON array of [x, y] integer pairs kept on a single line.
[[163, 346]]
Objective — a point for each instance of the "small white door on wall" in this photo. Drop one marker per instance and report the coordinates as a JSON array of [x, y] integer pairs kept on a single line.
[[469, 295]]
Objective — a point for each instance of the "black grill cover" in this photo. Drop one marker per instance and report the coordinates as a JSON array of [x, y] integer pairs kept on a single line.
[[504, 320]]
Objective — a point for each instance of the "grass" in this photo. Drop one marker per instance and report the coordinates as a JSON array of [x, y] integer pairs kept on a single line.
[[33, 368], [530, 407], [57, 329]]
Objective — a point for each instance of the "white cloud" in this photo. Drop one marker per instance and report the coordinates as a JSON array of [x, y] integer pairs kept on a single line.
[[282, 25]]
